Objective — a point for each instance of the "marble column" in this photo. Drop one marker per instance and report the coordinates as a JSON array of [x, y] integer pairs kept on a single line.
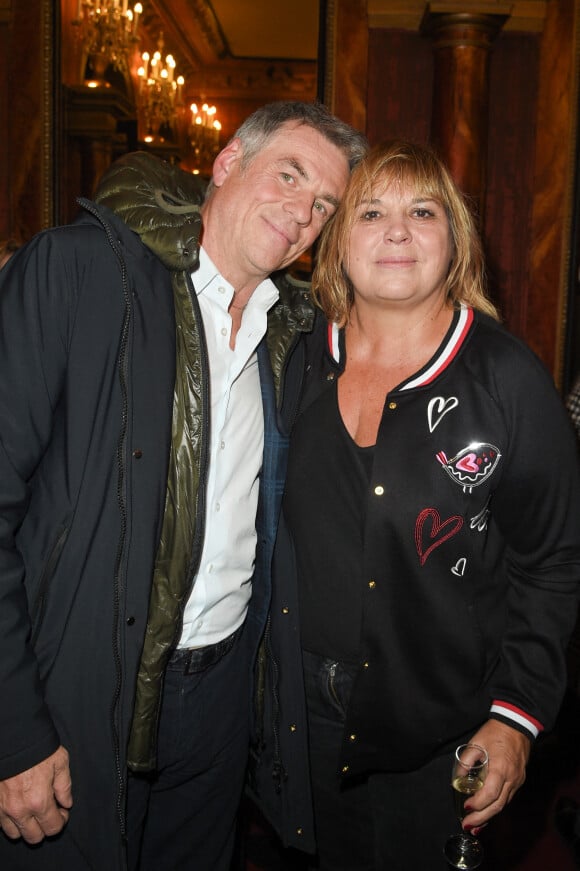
[[462, 43]]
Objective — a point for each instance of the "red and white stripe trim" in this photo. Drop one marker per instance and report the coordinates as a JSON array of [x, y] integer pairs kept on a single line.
[[447, 353], [333, 346], [510, 712]]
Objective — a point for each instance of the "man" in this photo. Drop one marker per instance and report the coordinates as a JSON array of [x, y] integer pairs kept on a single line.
[[137, 431]]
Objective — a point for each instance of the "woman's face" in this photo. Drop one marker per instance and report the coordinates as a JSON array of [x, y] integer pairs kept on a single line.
[[400, 248]]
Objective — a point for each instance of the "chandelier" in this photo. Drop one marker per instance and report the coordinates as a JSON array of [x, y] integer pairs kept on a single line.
[[204, 136], [160, 95], [108, 32]]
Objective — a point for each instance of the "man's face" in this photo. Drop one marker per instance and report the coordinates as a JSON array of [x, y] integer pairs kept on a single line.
[[264, 216]]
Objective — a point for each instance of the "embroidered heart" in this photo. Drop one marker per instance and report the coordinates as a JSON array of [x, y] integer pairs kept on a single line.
[[459, 567], [468, 463], [439, 532], [438, 408]]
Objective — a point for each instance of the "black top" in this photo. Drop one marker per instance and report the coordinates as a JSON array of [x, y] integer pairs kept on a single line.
[[323, 506]]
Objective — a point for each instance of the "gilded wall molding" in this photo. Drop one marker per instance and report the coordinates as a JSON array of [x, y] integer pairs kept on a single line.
[[209, 27], [330, 52], [48, 132], [524, 15], [568, 282], [255, 79], [191, 29]]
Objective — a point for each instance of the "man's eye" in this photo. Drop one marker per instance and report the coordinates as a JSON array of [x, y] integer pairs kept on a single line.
[[320, 208], [286, 176]]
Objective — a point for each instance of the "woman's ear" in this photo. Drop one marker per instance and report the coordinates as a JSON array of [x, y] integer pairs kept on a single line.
[[226, 160]]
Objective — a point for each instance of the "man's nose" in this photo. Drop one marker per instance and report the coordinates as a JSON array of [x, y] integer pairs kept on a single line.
[[300, 207]]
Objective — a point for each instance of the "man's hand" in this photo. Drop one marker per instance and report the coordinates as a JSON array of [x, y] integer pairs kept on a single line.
[[36, 802], [508, 751]]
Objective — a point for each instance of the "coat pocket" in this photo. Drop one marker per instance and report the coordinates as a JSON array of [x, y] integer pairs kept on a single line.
[[50, 564]]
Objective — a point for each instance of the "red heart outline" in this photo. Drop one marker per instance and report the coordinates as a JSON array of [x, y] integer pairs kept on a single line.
[[453, 524]]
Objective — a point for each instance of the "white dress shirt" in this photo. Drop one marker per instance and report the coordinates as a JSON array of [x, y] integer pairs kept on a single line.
[[218, 603]]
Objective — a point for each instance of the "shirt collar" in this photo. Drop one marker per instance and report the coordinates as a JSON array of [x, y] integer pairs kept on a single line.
[[207, 274]]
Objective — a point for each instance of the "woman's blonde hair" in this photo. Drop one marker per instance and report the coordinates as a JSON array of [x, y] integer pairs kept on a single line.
[[417, 165]]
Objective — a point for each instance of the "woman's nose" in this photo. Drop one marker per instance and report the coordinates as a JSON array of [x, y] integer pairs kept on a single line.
[[397, 232]]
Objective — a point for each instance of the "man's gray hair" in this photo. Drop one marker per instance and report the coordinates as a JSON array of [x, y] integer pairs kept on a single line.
[[262, 124]]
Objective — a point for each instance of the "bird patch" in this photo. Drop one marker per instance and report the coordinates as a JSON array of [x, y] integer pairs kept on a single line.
[[471, 466]]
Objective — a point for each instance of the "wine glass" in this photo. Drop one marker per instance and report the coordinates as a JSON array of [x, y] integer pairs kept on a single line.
[[469, 773]]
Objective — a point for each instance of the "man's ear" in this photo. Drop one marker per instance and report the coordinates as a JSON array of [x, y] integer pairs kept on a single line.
[[226, 160]]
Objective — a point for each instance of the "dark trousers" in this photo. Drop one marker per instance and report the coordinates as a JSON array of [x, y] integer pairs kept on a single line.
[[184, 817], [395, 821]]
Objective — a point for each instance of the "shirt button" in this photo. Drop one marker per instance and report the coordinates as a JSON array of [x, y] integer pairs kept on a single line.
[[330, 376], [285, 610], [352, 737], [299, 830], [222, 445], [224, 331], [292, 727], [210, 568], [392, 405], [217, 506], [372, 585], [344, 769], [137, 453], [221, 289], [379, 490], [365, 664]]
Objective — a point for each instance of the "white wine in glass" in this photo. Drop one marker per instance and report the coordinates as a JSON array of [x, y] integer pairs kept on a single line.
[[464, 851]]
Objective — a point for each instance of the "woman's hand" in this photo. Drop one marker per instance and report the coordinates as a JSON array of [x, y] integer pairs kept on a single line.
[[508, 752]]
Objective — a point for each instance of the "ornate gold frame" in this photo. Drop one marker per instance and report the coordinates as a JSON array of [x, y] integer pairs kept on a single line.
[[50, 127]]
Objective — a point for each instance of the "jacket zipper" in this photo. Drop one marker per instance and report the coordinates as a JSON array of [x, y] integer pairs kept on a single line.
[[197, 544]]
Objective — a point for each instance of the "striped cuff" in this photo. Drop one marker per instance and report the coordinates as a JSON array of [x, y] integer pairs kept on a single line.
[[516, 717]]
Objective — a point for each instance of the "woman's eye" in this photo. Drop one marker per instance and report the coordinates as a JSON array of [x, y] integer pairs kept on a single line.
[[371, 215], [423, 213]]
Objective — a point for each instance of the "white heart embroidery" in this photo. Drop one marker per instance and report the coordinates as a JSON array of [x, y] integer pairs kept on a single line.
[[438, 408], [459, 567]]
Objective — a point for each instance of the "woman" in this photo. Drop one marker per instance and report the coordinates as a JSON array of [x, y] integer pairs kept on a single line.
[[433, 505]]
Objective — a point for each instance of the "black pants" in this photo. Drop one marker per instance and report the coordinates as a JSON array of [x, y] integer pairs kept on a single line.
[[386, 822], [183, 818]]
